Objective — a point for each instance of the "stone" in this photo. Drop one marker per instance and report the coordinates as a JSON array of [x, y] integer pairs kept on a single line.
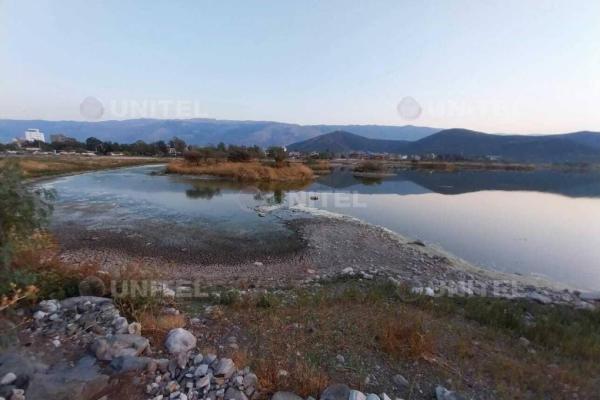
[[121, 325], [209, 358], [258, 264], [180, 340], [441, 393], [130, 363], [356, 395], [49, 306], [234, 394], [250, 380], [201, 370], [340, 359], [80, 301], [107, 348], [203, 382], [400, 381], [348, 271], [81, 381], [8, 378], [134, 328], [225, 368], [372, 396], [285, 396], [336, 392], [384, 396], [39, 315]]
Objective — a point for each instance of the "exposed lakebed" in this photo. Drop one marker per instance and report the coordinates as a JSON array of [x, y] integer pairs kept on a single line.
[[533, 223]]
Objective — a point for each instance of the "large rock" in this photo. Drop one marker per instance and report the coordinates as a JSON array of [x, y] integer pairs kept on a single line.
[[285, 396], [130, 363], [336, 391], [179, 341], [83, 381], [109, 347]]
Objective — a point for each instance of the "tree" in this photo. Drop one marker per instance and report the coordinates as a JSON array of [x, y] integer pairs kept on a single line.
[[178, 144], [93, 144], [238, 154], [278, 154]]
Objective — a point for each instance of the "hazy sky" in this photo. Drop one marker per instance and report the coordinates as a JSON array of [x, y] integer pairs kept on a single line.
[[497, 66]]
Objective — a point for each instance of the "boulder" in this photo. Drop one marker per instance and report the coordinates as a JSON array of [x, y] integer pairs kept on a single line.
[[180, 340], [63, 382], [108, 347], [285, 396], [336, 392]]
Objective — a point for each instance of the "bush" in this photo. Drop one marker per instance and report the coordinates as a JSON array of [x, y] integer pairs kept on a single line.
[[22, 211], [239, 155]]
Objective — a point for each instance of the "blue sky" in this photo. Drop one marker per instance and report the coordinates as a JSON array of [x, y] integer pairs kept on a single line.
[[496, 66]]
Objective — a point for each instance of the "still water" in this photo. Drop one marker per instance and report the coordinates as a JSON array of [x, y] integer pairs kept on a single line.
[[543, 223]]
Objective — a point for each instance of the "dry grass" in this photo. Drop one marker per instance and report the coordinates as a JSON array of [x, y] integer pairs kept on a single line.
[[320, 166], [378, 333], [37, 166], [250, 171], [407, 340], [157, 326]]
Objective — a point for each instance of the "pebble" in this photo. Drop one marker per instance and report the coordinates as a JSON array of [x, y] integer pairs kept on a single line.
[[400, 381], [8, 378]]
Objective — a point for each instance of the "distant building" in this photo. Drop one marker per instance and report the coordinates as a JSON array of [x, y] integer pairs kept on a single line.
[[32, 135]]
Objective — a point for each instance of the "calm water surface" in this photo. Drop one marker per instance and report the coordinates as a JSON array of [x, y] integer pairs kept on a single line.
[[543, 223]]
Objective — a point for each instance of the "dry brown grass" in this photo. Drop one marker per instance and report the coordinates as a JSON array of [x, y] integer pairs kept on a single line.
[[157, 326], [37, 166], [407, 340], [244, 171], [378, 335]]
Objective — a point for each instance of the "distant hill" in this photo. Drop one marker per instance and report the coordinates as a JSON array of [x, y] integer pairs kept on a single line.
[[346, 142], [203, 131], [572, 147]]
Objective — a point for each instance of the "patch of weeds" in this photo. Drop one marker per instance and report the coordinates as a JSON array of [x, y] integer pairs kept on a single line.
[[267, 300]]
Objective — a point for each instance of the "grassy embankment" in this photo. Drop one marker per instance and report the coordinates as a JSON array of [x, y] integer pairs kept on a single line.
[[252, 171], [40, 166], [491, 348]]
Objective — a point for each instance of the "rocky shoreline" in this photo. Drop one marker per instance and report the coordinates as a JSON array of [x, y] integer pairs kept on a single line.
[[323, 246]]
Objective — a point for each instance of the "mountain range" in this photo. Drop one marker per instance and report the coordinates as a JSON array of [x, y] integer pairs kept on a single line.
[[203, 131], [570, 147]]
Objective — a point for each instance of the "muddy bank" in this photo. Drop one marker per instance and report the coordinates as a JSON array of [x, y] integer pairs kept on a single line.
[[316, 246]]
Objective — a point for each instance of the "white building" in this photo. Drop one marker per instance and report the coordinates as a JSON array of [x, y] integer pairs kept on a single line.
[[32, 134]]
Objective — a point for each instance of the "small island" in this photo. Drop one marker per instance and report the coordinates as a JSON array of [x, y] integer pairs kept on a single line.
[[240, 163]]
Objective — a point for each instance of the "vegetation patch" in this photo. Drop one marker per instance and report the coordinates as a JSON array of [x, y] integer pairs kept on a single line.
[[252, 171]]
